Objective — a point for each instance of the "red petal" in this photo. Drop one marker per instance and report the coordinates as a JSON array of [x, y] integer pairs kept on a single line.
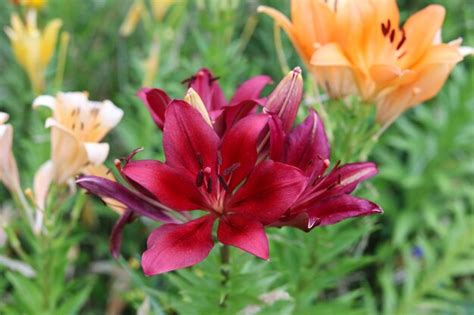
[[250, 89], [171, 187], [176, 246], [156, 101], [336, 209], [277, 139], [109, 189], [239, 147], [343, 180], [188, 141], [269, 191], [244, 233], [286, 98], [206, 85], [234, 113], [116, 235], [308, 147]]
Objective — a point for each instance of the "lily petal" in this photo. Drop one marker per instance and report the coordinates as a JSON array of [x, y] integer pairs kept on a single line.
[[308, 147], [333, 210], [176, 246], [344, 179], [421, 29], [96, 152], [269, 191], [244, 233], [175, 189], [250, 89], [239, 147], [106, 188], [156, 101], [188, 141], [116, 235]]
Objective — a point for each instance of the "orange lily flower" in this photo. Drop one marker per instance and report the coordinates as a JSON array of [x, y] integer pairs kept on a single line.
[[392, 66], [314, 24]]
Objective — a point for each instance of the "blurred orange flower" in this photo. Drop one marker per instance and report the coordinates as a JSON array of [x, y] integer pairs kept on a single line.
[[364, 47]]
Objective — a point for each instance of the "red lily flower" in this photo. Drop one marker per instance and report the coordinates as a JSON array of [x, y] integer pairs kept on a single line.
[[220, 176], [326, 199], [224, 114]]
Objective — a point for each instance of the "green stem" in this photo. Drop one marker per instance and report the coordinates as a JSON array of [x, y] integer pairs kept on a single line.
[[225, 272]]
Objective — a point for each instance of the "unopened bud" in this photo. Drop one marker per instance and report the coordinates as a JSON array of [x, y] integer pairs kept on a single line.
[[286, 98], [195, 101]]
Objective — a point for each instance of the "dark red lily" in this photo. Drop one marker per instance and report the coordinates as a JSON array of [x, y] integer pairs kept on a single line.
[[247, 171], [224, 114], [220, 176], [326, 199]]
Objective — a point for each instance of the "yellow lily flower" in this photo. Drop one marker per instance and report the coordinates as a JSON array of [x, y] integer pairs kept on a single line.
[[34, 4], [8, 169], [33, 48], [77, 127]]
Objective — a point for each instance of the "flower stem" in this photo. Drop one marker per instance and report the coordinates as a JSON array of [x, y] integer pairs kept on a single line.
[[225, 272]]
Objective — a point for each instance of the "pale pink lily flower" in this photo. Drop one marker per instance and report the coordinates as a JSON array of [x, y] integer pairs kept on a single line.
[[77, 127], [8, 169]]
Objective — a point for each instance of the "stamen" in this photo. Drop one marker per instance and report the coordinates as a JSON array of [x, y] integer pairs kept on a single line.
[[392, 36], [402, 41], [200, 178], [231, 169], [199, 160], [386, 29], [209, 185], [189, 80], [211, 80], [222, 182], [82, 125], [219, 158]]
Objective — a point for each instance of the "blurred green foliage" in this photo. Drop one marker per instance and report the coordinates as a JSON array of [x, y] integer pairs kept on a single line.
[[417, 258]]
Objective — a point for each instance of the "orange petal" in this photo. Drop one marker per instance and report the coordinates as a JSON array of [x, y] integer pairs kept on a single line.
[[443, 53], [421, 29], [330, 55]]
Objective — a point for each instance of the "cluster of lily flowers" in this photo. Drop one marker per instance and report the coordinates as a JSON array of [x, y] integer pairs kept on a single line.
[[241, 163]]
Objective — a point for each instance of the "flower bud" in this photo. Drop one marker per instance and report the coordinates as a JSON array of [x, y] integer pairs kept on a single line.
[[195, 101], [286, 98]]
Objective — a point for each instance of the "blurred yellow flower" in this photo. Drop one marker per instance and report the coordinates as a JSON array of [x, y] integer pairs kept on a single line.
[[160, 7], [8, 169], [360, 44], [138, 10], [313, 24], [77, 127], [36, 4], [33, 48]]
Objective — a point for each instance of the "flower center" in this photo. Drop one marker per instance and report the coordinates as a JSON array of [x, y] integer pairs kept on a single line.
[[215, 187]]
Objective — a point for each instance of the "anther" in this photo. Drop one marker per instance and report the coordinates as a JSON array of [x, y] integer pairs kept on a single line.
[[231, 169], [209, 185], [223, 183], [392, 36], [199, 160], [402, 41], [200, 178]]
